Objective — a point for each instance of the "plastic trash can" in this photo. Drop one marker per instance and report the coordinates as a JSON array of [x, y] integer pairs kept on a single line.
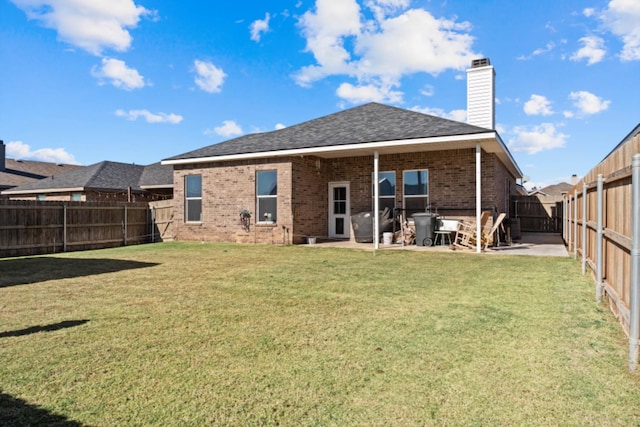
[[425, 228]]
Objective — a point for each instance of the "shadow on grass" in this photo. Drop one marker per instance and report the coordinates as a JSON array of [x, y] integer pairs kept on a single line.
[[43, 328], [24, 271], [16, 412]]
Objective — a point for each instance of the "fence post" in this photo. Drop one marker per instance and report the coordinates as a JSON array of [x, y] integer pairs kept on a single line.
[[124, 230], [584, 227], [599, 238], [153, 222], [634, 314], [64, 228], [575, 225], [569, 241]]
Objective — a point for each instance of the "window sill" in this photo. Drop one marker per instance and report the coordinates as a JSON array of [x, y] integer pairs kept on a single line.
[[266, 224]]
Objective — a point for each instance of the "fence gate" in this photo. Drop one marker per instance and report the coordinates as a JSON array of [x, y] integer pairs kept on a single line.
[[538, 213]]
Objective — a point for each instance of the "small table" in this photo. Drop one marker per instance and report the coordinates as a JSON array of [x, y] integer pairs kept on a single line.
[[444, 236]]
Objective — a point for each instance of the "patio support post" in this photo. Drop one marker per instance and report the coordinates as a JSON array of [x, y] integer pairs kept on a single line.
[[634, 306], [478, 198], [600, 183], [376, 201], [584, 227]]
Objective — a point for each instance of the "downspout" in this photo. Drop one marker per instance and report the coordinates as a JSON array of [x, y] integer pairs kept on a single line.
[[376, 201], [478, 199], [634, 306]]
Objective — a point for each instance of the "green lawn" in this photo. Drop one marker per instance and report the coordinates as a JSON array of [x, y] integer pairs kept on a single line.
[[218, 334]]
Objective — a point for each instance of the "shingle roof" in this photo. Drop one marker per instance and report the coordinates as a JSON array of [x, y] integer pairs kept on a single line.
[[157, 175], [20, 172], [371, 122], [100, 176]]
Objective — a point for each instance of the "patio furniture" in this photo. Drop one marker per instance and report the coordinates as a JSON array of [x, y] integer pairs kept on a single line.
[[466, 235], [363, 225]]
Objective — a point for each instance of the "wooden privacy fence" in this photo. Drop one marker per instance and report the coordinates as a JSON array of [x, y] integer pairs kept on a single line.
[[601, 226], [538, 213], [38, 227]]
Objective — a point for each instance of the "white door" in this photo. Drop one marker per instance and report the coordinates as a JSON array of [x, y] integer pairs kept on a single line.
[[339, 210]]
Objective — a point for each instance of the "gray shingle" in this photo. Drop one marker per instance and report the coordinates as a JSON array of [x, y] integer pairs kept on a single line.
[[371, 122], [99, 176]]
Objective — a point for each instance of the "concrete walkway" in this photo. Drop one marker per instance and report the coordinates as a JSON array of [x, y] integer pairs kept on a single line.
[[540, 244], [535, 244]]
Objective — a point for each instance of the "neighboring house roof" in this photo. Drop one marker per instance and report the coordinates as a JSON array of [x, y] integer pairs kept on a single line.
[[156, 175], [355, 131], [107, 176], [21, 172], [555, 190]]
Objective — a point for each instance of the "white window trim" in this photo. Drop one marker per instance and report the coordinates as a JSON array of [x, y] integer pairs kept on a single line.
[[187, 199], [260, 219]]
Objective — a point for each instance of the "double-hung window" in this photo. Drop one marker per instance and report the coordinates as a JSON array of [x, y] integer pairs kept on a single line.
[[387, 188], [267, 196], [193, 198], [416, 190]]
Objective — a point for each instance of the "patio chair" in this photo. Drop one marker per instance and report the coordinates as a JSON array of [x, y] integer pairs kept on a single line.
[[467, 232]]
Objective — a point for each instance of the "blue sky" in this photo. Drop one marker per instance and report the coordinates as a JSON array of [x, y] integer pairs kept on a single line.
[[141, 80]]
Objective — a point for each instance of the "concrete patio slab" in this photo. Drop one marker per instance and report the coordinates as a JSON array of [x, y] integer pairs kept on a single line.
[[533, 244]]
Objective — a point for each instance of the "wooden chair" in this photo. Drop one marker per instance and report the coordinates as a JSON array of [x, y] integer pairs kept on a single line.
[[466, 235], [487, 238]]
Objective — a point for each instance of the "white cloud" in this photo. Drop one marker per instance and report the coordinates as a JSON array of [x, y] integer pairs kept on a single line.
[[150, 117], [588, 103], [325, 32], [228, 128], [279, 126], [119, 74], [588, 12], [542, 50], [538, 105], [457, 115], [92, 25], [209, 78], [379, 52], [593, 50], [259, 27], [621, 18], [538, 138], [368, 93], [20, 150], [427, 90]]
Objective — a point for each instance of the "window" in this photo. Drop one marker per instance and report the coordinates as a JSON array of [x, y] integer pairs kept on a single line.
[[267, 195], [416, 190], [76, 197], [387, 188], [42, 197], [193, 198]]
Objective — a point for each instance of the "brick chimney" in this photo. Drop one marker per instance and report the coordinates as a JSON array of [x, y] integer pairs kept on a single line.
[[481, 94], [3, 153]]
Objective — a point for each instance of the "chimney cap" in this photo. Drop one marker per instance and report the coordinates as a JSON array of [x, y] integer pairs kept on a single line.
[[482, 62]]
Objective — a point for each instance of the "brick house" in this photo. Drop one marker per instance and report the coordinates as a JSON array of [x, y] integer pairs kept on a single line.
[[16, 172], [103, 181], [307, 179]]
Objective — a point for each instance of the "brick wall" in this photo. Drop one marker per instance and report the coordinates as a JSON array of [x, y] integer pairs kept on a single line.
[[303, 192], [227, 189]]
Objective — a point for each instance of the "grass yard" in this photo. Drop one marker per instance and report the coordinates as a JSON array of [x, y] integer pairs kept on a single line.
[[189, 334]]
